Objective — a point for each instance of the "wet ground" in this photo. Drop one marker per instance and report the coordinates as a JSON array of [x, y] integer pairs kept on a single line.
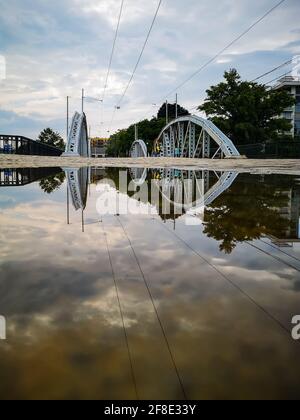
[[166, 302], [279, 166]]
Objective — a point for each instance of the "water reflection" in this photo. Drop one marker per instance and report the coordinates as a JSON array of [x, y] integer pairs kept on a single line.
[[51, 178], [232, 207], [225, 316]]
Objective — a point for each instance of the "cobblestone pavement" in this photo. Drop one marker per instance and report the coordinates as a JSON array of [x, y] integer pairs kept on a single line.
[[284, 166]]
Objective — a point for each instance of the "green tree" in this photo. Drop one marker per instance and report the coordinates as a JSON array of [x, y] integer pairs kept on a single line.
[[148, 130], [51, 138], [52, 183], [247, 112], [172, 111]]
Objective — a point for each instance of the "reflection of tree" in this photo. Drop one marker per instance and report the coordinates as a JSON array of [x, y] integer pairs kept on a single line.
[[52, 183], [245, 212]]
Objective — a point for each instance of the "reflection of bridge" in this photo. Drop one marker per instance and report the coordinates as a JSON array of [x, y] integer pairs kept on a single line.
[[190, 190], [21, 177]]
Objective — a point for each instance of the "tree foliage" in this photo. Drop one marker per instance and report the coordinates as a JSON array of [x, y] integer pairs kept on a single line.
[[51, 138], [247, 112], [246, 211], [181, 112], [52, 183]]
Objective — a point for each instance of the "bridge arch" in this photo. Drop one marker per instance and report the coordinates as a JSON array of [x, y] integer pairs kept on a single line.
[[192, 136], [78, 186], [78, 142], [138, 149]]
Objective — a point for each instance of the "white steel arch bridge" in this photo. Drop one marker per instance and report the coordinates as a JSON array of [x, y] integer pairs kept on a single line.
[[189, 137], [194, 137]]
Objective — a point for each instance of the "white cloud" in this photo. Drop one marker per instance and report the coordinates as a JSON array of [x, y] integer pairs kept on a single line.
[[67, 47]]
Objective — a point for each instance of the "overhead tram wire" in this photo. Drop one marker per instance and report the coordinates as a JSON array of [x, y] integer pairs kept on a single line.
[[121, 313], [205, 65], [156, 311], [280, 250], [272, 71], [113, 48], [286, 63], [277, 78], [225, 277], [137, 63], [225, 48], [112, 54], [273, 256]]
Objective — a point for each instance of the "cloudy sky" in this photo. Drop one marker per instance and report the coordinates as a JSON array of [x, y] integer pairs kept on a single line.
[[54, 49]]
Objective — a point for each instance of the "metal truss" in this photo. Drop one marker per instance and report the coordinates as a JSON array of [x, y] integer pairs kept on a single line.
[[195, 137]]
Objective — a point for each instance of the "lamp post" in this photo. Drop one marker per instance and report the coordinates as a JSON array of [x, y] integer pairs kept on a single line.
[[68, 98]]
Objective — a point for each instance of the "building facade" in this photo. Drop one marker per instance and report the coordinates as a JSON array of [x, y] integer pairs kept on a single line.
[[292, 114], [98, 147]]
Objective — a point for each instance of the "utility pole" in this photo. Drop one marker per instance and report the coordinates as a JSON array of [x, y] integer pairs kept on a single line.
[[68, 97], [176, 111], [167, 113], [90, 142], [82, 101], [68, 202], [136, 132]]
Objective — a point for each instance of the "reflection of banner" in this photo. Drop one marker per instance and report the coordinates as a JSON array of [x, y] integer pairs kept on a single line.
[[78, 186]]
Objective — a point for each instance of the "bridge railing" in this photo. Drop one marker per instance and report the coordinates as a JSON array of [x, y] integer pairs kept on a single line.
[[21, 145]]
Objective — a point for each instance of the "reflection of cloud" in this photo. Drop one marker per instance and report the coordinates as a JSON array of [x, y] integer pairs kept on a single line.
[[65, 337]]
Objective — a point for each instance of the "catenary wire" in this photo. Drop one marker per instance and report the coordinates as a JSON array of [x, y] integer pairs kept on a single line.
[[272, 71], [228, 279], [156, 311], [121, 312], [225, 48], [137, 63]]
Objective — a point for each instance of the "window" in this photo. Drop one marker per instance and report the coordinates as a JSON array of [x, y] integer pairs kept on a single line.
[[298, 103], [287, 115], [297, 127]]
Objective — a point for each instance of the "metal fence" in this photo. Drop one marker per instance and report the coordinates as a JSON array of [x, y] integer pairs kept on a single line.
[[20, 145], [276, 150]]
